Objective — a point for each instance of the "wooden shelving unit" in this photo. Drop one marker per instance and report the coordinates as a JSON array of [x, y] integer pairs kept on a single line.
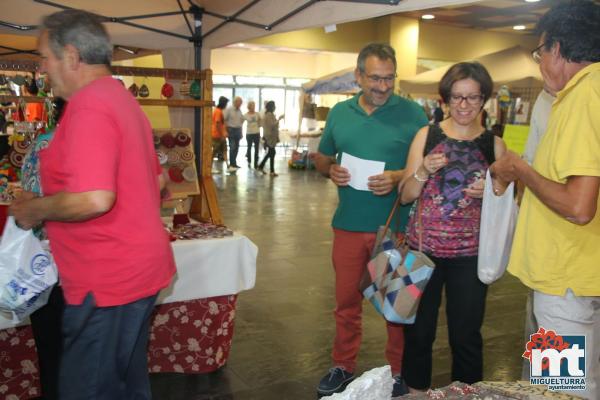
[[205, 205]]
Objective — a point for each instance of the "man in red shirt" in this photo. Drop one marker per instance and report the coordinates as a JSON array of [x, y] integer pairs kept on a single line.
[[100, 179], [218, 131]]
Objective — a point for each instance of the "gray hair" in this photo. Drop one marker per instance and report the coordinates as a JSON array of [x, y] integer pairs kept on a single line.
[[380, 50], [82, 30]]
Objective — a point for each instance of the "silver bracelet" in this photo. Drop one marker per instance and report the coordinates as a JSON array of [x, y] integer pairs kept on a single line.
[[418, 178]]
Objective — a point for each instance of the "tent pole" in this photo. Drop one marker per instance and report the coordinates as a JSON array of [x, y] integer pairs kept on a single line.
[[197, 40]]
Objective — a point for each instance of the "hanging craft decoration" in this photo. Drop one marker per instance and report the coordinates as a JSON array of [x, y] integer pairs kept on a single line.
[[167, 89], [144, 91], [184, 87], [196, 90], [134, 90]]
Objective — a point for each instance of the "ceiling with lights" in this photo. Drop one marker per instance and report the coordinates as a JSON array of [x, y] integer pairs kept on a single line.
[[491, 15]]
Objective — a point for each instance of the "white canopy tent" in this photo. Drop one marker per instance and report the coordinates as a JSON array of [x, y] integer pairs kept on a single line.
[[514, 67], [339, 82], [223, 22]]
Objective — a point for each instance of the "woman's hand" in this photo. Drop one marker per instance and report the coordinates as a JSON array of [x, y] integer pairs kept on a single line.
[[433, 162], [475, 189], [383, 183]]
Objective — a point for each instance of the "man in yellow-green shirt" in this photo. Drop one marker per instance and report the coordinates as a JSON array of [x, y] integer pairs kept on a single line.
[[556, 249]]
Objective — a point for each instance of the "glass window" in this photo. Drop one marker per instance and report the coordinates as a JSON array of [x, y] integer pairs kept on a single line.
[[247, 94], [259, 80], [296, 82], [292, 109], [221, 91], [276, 95], [223, 79]]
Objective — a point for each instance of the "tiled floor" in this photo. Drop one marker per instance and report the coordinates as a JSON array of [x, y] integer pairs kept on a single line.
[[284, 326]]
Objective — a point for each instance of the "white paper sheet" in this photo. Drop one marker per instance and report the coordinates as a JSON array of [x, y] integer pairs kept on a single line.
[[360, 170]]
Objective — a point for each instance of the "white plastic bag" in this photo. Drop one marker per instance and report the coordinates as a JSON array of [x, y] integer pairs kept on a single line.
[[498, 221], [27, 272]]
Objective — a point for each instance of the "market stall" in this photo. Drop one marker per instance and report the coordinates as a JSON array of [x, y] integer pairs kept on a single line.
[[192, 325], [513, 67], [311, 117]]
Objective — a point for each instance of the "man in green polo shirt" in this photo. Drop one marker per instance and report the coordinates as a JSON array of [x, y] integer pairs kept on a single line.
[[374, 125]]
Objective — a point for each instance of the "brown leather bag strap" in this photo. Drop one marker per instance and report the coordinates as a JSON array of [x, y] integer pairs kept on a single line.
[[389, 220], [419, 212], [420, 223]]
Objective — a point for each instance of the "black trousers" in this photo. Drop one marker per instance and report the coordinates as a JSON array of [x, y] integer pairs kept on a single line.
[[105, 351], [465, 308], [252, 139], [234, 135], [46, 326], [269, 156]]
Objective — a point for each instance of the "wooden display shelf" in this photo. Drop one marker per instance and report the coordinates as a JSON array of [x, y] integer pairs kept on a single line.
[[205, 205], [142, 101], [175, 102], [168, 73], [16, 99]]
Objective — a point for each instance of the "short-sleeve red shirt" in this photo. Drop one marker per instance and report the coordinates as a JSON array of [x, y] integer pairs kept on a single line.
[[104, 142]]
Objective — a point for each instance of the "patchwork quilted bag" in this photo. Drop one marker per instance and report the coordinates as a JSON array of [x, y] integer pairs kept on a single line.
[[396, 276]]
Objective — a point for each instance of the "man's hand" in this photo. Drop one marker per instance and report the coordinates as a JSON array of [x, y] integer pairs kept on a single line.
[[24, 210], [339, 175], [505, 168], [382, 184]]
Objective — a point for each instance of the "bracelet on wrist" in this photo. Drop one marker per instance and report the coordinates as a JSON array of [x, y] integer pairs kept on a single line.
[[418, 178]]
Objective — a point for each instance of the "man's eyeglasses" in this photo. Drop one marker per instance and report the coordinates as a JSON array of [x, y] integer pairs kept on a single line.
[[536, 54], [472, 99], [375, 79]]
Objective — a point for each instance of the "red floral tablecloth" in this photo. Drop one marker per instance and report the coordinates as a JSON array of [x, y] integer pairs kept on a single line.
[[189, 337]]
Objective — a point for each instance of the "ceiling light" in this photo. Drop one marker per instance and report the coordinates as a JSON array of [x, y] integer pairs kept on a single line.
[[128, 50], [330, 28], [531, 1], [427, 16], [519, 27]]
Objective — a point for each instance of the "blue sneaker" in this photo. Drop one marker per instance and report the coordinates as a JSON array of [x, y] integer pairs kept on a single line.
[[335, 381], [400, 387]]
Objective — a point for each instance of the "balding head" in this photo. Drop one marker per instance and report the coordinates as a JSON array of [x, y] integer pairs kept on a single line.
[[237, 102]]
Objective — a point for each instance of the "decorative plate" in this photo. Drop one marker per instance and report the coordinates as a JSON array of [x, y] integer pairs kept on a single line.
[[175, 174], [182, 139], [189, 174], [186, 155], [162, 157], [167, 140], [173, 156]]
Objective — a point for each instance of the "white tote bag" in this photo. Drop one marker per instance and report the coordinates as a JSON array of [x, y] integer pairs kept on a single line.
[[498, 221], [27, 272]]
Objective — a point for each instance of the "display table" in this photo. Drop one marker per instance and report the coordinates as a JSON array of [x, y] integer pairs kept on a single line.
[[192, 325]]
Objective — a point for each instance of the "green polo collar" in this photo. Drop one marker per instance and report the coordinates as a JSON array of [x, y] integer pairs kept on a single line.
[[393, 100]]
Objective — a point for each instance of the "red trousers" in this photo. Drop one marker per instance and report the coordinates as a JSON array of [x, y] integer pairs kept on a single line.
[[351, 253]]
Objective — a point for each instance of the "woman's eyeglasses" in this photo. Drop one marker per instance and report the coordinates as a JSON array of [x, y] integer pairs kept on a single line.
[[472, 99]]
